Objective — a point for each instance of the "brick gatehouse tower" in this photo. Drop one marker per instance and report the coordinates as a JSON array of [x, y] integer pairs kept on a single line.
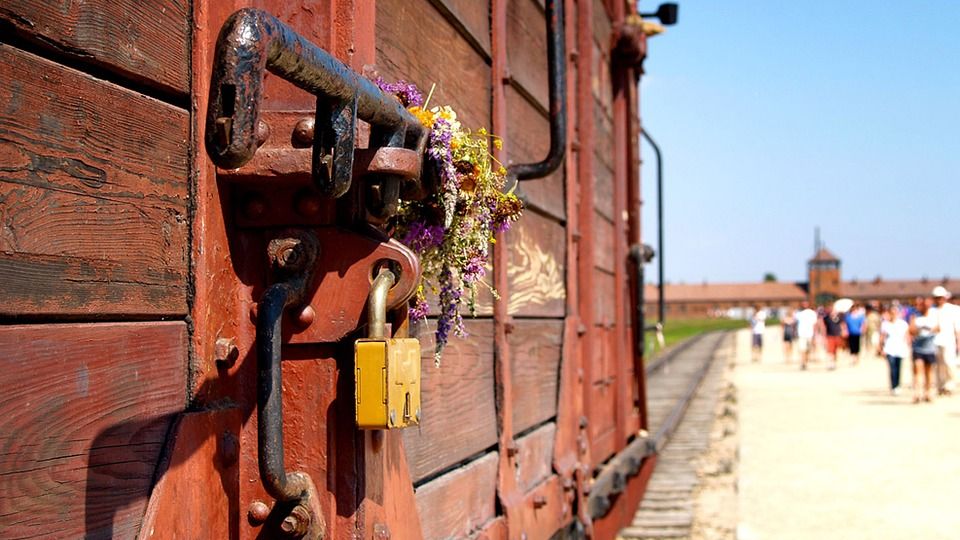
[[823, 272]]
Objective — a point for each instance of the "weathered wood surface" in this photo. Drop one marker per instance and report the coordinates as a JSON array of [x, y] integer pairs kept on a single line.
[[198, 440], [603, 167], [145, 41], [459, 419], [460, 502], [528, 141], [93, 195], [534, 456], [472, 18], [84, 410], [527, 50], [604, 287], [416, 43], [536, 346], [536, 267], [603, 243]]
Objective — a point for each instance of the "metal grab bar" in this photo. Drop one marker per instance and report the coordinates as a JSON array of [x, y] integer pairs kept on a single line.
[[661, 303], [557, 81], [252, 42], [294, 258], [279, 484]]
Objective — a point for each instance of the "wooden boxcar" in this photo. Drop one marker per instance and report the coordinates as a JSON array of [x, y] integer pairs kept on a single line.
[[132, 270]]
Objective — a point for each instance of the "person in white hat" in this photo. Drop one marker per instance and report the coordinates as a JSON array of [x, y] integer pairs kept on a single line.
[[947, 326]]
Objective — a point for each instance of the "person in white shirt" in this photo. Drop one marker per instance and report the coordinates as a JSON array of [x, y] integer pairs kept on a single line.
[[806, 324], [758, 323], [895, 343], [947, 323]]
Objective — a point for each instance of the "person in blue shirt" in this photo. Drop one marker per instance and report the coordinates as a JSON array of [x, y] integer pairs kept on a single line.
[[856, 318]]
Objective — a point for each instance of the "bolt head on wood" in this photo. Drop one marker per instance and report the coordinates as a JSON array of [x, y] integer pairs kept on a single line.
[[258, 512], [303, 132], [226, 352]]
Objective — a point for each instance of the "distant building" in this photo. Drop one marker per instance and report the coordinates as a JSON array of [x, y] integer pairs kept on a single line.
[[824, 285]]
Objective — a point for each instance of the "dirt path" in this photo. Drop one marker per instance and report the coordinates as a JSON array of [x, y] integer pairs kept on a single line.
[[832, 455]]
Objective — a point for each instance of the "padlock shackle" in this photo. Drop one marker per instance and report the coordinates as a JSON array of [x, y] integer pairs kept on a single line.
[[377, 303]]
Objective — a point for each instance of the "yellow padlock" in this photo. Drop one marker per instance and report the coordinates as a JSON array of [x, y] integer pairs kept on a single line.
[[387, 369]]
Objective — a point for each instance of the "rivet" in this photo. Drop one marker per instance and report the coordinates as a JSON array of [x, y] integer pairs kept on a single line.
[[226, 352], [303, 133], [263, 132], [539, 501], [583, 422], [306, 317], [254, 208], [258, 512], [512, 448], [508, 328], [308, 204]]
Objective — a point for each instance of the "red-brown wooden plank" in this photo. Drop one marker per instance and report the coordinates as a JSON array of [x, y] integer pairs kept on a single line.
[[603, 244], [84, 410], [456, 399], [537, 262], [460, 502], [416, 43], [527, 49], [604, 289], [535, 345], [147, 42], [93, 195], [534, 456], [528, 141], [473, 17]]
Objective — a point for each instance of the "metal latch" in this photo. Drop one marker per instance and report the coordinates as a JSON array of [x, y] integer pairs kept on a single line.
[[253, 42], [387, 369]]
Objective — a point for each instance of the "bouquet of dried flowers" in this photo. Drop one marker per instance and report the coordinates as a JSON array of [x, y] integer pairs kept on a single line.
[[452, 229]]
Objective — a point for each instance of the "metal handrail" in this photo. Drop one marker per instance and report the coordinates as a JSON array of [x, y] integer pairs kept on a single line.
[[557, 82]]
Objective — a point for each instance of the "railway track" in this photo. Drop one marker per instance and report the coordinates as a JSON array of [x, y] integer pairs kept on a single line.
[[682, 390]]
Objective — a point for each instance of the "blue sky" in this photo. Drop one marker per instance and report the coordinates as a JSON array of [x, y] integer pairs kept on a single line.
[[776, 117]]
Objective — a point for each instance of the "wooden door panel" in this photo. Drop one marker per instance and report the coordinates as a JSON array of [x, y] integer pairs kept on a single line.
[[145, 41], [93, 195], [425, 57], [535, 345], [536, 267], [460, 502], [84, 411], [527, 143], [459, 417]]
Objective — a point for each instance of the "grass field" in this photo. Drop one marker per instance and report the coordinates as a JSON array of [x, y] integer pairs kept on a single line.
[[680, 329]]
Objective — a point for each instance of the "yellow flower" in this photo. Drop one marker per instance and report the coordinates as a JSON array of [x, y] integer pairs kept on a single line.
[[498, 144]]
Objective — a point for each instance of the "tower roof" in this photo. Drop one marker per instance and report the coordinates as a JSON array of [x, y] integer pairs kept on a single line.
[[824, 255]]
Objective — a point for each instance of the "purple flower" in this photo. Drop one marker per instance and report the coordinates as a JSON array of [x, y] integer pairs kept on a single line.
[[422, 237], [419, 310], [408, 93], [475, 269]]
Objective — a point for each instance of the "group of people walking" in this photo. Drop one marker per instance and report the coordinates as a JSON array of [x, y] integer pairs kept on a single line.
[[925, 333]]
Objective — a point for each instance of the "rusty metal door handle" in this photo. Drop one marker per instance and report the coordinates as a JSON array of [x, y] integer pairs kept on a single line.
[[557, 82], [293, 259], [253, 42]]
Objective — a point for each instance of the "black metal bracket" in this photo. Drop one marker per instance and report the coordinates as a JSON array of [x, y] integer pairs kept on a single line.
[[557, 81], [293, 260], [253, 42]]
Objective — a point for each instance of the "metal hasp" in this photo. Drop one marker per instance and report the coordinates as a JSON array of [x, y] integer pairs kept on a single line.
[[661, 307], [252, 42], [557, 75], [292, 260]]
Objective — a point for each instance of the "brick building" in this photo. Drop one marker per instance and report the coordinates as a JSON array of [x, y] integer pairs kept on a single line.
[[824, 285]]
